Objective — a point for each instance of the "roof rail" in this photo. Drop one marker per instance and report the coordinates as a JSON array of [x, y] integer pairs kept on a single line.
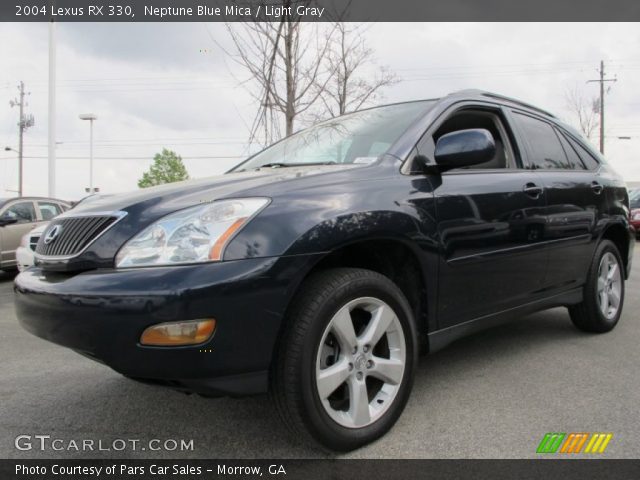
[[504, 98]]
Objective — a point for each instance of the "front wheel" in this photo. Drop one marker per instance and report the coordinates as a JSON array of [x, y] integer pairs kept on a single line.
[[603, 299], [344, 368]]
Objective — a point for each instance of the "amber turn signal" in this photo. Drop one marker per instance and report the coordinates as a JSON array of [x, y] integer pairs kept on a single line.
[[173, 334]]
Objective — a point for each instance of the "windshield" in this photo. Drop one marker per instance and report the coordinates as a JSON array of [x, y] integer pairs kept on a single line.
[[359, 137]]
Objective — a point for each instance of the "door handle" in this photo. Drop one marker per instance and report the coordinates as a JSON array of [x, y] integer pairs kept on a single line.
[[597, 187], [532, 190]]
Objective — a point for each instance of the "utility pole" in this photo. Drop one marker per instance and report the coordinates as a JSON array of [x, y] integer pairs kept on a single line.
[[24, 122], [601, 80]]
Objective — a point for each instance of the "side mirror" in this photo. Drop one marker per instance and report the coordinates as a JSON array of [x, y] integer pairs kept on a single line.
[[6, 220], [464, 148]]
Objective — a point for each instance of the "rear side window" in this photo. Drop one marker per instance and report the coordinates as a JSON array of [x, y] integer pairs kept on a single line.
[[49, 210], [544, 145], [573, 158], [586, 157]]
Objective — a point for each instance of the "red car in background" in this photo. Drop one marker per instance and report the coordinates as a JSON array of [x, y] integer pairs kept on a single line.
[[634, 204]]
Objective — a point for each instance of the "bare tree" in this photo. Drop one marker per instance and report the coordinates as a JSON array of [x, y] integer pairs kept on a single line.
[[585, 110], [286, 67], [356, 78]]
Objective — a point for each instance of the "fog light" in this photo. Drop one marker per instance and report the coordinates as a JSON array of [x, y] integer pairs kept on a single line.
[[172, 334]]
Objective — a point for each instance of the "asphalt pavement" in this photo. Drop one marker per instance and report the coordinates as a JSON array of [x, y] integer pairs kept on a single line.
[[491, 395]]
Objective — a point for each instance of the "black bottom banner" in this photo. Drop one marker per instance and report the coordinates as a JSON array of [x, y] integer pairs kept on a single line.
[[320, 469]]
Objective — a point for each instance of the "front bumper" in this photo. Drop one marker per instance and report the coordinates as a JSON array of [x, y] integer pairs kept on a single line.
[[24, 258], [102, 313]]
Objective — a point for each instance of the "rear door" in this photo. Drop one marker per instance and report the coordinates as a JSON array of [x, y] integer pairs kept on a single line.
[[576, 200], [24, 212]]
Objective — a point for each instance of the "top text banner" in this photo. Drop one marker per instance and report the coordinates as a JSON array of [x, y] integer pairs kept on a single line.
[[318, 10]]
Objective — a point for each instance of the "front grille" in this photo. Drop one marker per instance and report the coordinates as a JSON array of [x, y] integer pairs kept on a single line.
[[74, 235]]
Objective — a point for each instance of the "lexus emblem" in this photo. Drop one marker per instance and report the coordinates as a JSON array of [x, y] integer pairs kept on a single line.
[[52, 234]]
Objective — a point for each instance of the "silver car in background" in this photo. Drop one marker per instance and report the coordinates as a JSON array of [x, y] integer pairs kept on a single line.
[[18, 216]]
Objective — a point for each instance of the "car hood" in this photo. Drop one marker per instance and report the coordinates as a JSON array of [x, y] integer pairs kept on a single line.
[[164, 199], [137, 210], [39, 229]]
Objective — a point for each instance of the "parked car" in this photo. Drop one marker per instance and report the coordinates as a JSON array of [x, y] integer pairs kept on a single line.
[[20, 215], [634, 199], [25, 251], [318, 268]]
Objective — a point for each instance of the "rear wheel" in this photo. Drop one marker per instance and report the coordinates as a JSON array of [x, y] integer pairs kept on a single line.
[[601, 307], [345, 365]]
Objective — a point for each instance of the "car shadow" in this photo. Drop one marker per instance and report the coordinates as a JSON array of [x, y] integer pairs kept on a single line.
[[8, 276], [101, 404]]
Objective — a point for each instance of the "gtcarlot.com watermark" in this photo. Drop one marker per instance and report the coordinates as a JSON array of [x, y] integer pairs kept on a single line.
[[47, 443]]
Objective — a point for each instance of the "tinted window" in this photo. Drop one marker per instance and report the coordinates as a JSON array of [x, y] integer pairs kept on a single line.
[[48, 210], [22, 212], [546, 150], [588, 160], [572, 157]]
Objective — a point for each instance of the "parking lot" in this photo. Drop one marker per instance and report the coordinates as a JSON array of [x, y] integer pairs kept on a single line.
[[492, 395]]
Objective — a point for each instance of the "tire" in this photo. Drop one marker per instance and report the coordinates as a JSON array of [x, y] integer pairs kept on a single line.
[[601, 289], [313, 346]]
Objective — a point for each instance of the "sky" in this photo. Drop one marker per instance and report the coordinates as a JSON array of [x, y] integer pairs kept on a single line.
[[170, 85]]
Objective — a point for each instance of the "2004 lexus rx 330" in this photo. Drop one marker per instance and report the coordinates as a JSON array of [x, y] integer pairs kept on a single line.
[[319, 267]]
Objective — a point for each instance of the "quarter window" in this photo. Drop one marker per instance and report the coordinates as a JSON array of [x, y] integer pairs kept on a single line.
[[545, 148]]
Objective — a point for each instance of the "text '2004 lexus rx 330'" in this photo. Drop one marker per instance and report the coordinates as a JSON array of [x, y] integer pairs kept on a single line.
[[318, 268]]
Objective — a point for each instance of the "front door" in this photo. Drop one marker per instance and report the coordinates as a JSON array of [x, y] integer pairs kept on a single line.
[[489, 224]]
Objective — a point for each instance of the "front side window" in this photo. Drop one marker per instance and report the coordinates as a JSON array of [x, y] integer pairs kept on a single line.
[[471, 119], [359, 137], [544, 146], [22, 212]]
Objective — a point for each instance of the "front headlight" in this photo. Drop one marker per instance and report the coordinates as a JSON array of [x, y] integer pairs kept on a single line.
[[196, 234]]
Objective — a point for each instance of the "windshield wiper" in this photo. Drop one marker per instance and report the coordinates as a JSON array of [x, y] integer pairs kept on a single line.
[[273, 165], [285, 165], [298, 164]]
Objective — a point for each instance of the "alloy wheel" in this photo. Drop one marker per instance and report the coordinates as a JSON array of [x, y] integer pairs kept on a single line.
[[609, 285], [360, 362]]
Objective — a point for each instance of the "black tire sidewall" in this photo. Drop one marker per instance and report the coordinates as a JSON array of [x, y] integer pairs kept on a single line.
[[318, 420]]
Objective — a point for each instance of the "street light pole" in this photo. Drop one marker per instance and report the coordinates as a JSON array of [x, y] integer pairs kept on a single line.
[[91, 117], [52, 110]]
